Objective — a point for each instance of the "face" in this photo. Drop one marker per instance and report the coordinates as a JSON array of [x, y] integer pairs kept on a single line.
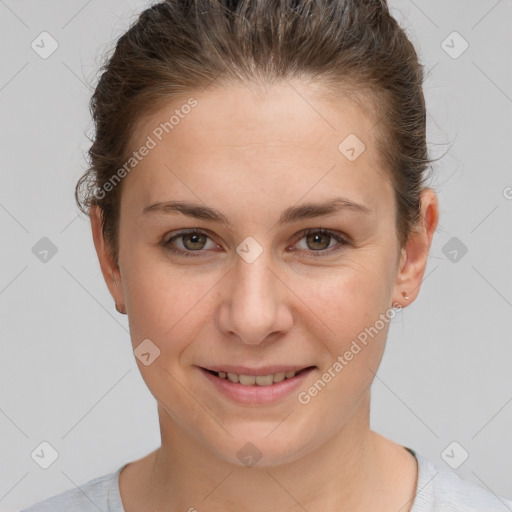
[[247, 277]]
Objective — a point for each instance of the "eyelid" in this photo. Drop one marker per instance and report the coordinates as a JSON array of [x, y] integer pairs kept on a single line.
[[187, 231], [335, 234]]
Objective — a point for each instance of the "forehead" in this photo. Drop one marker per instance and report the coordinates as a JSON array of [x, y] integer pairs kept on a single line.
[[231, 115], [285, 140]]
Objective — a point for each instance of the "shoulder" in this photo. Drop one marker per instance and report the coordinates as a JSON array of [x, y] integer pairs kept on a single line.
[[440, 489], [101, 493]]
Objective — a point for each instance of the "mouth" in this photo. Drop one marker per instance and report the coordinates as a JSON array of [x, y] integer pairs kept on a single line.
[[256, 387], [261, 377]]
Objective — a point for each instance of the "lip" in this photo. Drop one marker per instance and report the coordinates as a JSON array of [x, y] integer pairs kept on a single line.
[[255, 394], [245, 370]]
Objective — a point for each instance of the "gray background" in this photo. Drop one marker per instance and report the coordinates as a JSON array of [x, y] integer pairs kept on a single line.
[[67, 373]]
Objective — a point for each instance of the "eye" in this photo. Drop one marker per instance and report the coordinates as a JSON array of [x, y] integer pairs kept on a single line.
[[195, 240], [192, 241], [320, 239]]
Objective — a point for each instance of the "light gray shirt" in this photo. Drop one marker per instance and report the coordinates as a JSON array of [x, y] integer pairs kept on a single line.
[[439, 489]]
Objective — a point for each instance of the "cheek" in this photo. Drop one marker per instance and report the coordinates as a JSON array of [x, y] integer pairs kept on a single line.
[[349, 313], [166, 304], [348, 299], [167, 308], [353, 332]]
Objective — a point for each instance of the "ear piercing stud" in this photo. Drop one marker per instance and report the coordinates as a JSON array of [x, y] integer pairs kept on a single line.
[[405, 296]]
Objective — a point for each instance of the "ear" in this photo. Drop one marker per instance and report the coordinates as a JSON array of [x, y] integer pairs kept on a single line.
[[414, 256], [110, 270]]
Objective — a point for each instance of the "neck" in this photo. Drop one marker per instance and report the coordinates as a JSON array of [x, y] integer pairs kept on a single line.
[[342, 473]]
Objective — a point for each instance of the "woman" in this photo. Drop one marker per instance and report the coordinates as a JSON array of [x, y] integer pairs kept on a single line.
[[258, 206]]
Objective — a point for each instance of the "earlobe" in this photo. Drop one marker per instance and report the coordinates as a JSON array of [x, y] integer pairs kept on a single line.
[[120, 309], [109, 269], [414, 255]]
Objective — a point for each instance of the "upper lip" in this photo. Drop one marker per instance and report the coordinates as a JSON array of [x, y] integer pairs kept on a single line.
[[264, 370]]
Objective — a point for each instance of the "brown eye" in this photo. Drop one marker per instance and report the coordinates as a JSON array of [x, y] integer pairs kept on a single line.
[[318, 241], [194, 241], [189, 243]]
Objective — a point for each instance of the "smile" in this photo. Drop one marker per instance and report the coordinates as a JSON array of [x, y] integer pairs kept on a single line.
[[257, 380], [262, 386]]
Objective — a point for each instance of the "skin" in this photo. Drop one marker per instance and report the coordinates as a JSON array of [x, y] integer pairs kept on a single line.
[[251, 153]]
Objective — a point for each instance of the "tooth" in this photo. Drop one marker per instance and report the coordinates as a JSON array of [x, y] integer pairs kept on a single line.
[[247, 380], [264, 380], [233, 377], [259, 380], [279, 376]]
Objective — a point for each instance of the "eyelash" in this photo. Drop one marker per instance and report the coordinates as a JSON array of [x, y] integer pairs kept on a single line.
[[341, 242]]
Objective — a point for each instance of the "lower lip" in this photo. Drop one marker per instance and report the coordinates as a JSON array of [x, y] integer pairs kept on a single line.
[[257, 394]]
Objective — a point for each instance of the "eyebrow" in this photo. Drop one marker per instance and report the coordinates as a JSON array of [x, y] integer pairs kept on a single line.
[[292, 214]]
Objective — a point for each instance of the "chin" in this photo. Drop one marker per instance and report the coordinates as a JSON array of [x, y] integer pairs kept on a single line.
[[262, 449]]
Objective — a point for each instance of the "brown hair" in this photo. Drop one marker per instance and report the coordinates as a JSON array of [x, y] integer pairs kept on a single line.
[[179, 46]]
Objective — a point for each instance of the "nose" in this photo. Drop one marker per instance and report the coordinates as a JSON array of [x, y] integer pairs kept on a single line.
[[255, 305]]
